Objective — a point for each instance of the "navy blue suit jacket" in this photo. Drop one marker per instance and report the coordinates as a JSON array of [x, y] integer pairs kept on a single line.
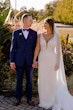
[[22, 50]]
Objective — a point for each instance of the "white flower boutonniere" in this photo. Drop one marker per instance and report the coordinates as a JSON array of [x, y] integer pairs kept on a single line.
[[20, 34]]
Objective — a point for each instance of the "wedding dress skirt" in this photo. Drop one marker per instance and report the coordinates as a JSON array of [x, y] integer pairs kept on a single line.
[[52, 87]]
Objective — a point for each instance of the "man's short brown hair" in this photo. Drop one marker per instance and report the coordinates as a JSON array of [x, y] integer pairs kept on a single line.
[[25, 16]]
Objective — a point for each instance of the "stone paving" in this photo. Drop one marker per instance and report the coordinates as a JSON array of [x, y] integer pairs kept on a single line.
[[6, 103]]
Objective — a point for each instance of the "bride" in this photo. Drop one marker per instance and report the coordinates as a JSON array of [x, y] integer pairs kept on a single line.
[[52, 85]]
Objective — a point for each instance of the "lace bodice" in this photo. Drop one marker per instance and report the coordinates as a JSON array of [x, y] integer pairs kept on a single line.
[[50, 45]]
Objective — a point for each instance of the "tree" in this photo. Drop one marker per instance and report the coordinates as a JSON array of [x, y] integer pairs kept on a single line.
[[33, 12], [64, 12], [49, 8]]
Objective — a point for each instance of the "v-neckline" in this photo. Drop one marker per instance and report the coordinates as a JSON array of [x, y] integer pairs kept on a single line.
[[48, 40]]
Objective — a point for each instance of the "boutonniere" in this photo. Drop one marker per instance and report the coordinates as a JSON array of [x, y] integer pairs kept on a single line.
[[30, 37], [20, 34]]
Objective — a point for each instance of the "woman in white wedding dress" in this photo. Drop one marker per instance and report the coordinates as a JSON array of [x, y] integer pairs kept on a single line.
[[52, 86]]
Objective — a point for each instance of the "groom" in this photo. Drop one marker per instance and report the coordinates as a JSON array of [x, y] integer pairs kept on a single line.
[[21, 57]]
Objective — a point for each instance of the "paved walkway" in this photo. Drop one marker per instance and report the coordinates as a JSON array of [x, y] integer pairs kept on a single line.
[[6, 103]]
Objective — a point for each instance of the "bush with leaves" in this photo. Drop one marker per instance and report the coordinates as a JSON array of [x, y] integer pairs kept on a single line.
[[64, 12], [5, 36], [67, 47]]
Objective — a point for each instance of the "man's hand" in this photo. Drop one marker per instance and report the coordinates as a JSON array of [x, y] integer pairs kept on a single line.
[[13, 66]]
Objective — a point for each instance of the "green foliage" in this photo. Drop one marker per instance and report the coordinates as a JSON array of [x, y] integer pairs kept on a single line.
[[3, 15], [5, 36], [33, 12], [41, 14], [64, 12], [67, 47], [49, 8], [2, 7]]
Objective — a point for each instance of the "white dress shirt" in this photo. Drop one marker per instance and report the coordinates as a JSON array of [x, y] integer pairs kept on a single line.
[[25, 33]]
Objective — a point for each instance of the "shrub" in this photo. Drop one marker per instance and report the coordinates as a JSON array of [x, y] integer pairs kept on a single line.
[[67, 48]]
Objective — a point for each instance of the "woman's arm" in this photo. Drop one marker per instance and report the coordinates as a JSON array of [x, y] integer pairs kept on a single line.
[[36, 52]]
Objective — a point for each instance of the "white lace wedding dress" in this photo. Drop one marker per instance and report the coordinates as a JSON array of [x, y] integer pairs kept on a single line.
[[52, 87]]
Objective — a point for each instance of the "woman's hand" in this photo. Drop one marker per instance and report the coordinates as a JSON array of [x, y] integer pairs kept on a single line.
[[35, 64]]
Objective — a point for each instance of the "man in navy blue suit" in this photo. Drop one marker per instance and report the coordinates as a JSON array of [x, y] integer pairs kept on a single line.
[[21, 57]]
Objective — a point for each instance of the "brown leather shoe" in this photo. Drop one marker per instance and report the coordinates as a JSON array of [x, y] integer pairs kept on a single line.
[[17, 102], [31, 103]]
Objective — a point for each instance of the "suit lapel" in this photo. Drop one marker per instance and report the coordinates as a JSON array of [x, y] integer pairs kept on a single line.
[[22, 34]]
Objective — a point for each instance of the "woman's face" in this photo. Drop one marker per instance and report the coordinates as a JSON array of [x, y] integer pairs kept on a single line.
[[46, 25]]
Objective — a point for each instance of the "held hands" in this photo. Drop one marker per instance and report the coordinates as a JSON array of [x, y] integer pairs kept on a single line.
[[35, 64]]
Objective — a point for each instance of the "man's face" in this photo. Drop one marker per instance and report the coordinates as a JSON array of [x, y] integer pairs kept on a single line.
[[28, 21]]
